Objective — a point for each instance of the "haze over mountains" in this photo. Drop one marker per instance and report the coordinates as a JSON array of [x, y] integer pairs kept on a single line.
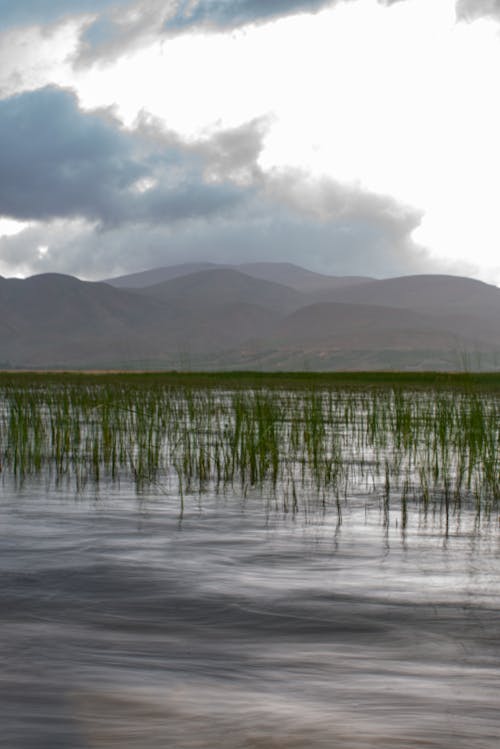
[[283, 273], [252, 316]]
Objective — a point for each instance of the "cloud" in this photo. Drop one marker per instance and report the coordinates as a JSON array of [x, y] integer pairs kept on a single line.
[[115, 31], [282, 215], [43, 12], [57, 162], [104, 26], [220, 13], [472, 9], [103, 200], [33, 56], [233, 153], [325, 199], [124, 27], [345, 225], [357, 244], [229, 14]]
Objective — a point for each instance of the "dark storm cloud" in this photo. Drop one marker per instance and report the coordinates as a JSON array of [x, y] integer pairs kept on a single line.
[[108, 201], [323, 226], [472, 9], [41, 12], [356, 244], [56, 161]]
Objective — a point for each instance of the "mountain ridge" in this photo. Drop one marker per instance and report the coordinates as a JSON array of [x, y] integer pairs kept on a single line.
[[287, 274], [220, 317]]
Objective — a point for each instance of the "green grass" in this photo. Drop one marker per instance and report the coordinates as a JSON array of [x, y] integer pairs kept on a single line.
[[484, 381], [426, 438]]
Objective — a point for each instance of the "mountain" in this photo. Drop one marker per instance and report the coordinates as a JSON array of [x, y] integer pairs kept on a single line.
[[299, 278], [57, 320], [224, 318], [211, 288], [53, 320], [464, 306], [63, 303], [286, 274], [157, 275], [441, 293], [348, 325]]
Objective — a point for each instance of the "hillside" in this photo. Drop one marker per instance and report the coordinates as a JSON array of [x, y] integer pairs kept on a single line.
[[156, 275], [223, 318], [299, 278], [212, 288], [436, 293]]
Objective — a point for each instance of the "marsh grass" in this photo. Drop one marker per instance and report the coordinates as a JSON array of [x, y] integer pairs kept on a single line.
[[430, 444]]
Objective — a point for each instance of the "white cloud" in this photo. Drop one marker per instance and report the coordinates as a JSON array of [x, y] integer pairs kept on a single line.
[[31, 57], [144, 185], [394, 100], [10, 227], [399, 100]]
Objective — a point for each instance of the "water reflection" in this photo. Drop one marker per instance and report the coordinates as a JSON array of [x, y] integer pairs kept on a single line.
[[241, 626]]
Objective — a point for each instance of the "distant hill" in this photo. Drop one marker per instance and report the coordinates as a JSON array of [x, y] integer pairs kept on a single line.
[[464, 306], [439, 292], [330, 327], [299, 278], [211, 288], [286, 274], [57, 320], [223, 318], [157, 275]]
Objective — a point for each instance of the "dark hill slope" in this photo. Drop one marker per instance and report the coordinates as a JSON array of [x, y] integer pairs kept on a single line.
[[225, 318], [221, 328], [64, 305], [56, 320], [337, 325], [463, 306], [157, 275], [212, 288], [299, 278], [436, 292]]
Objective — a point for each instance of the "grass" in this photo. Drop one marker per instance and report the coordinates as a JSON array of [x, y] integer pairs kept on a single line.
[[483, 381], [425, 438]]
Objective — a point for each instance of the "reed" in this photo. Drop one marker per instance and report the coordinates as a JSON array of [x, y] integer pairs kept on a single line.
[[321, 441]]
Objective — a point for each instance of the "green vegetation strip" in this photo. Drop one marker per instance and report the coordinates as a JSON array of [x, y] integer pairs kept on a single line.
[[483, 381], [427, 438]]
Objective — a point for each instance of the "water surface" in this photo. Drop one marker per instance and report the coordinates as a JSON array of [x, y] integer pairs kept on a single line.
[[237, 625]]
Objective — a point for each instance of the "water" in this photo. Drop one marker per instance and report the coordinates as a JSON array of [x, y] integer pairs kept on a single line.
[[239, 626]]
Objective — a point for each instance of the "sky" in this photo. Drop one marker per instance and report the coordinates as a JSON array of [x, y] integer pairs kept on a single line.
[[347, 136]]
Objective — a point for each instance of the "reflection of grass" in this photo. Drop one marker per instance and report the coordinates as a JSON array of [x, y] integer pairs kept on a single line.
[[431, 438]]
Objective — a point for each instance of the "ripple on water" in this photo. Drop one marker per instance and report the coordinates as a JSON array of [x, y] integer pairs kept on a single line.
[[240, 626]]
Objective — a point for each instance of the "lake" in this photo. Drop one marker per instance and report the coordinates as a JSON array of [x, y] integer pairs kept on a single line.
[[240, 626], [226, 617]]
